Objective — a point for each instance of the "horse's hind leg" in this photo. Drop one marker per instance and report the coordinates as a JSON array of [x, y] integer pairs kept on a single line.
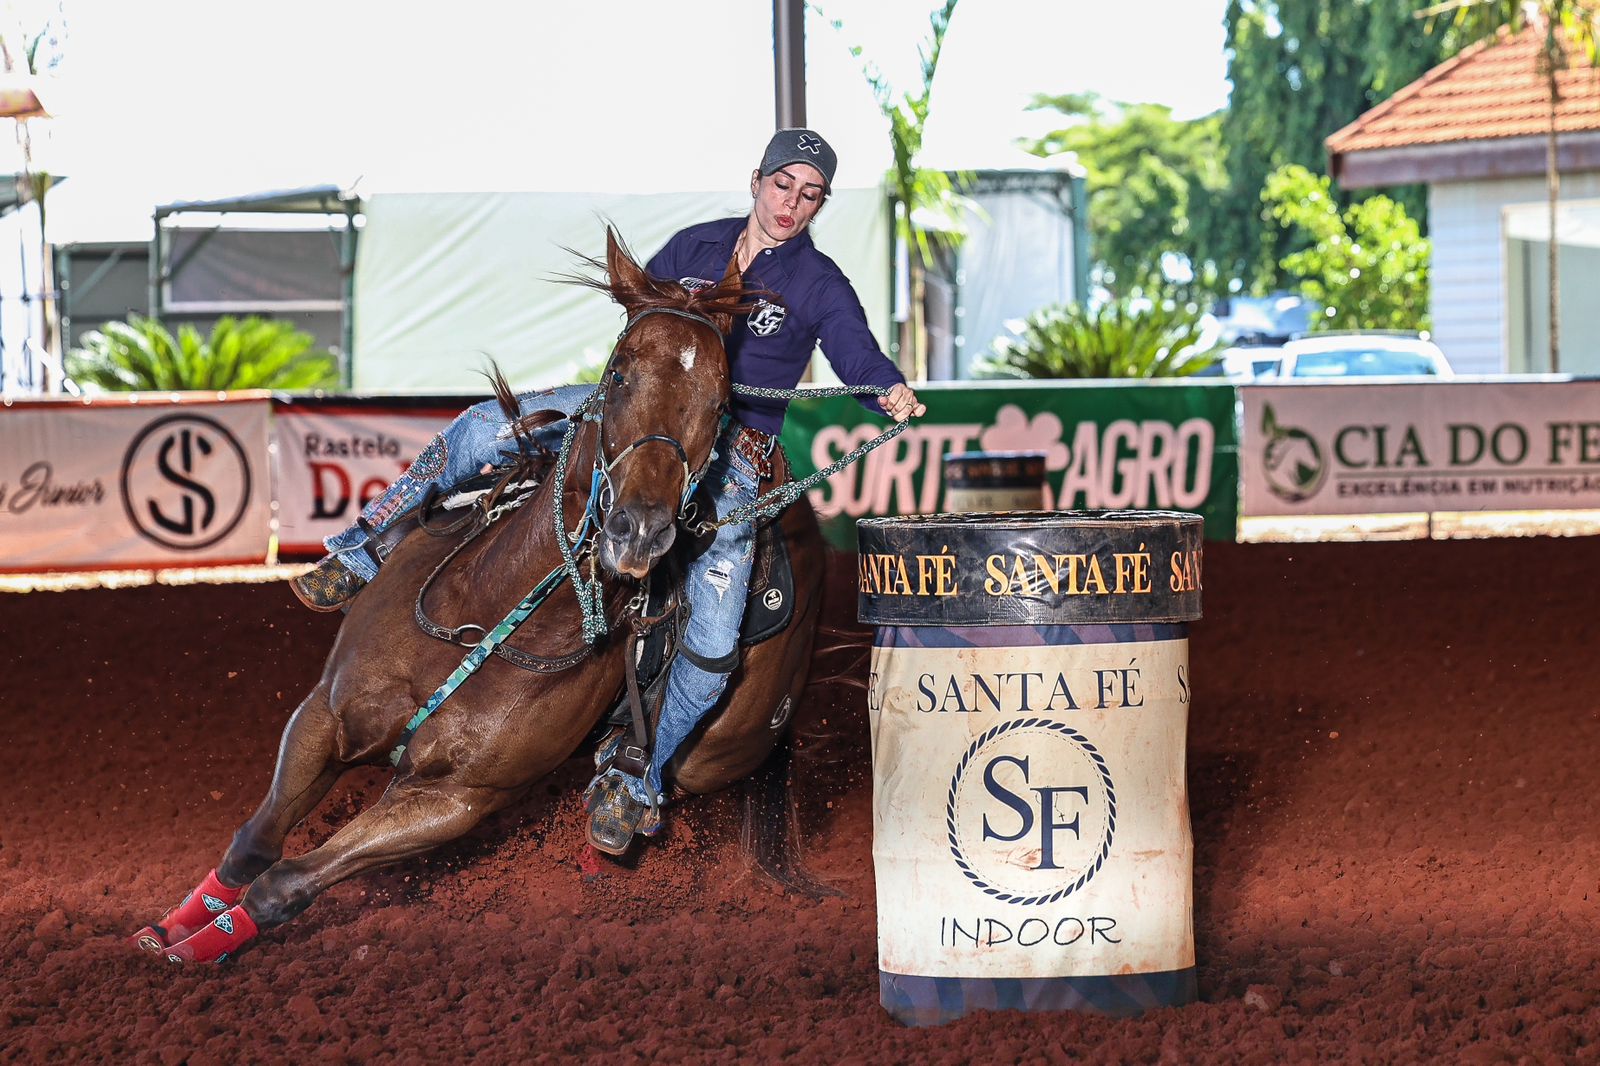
[[307, 767]]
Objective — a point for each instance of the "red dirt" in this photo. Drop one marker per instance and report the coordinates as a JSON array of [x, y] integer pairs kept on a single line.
[[1396, 860]]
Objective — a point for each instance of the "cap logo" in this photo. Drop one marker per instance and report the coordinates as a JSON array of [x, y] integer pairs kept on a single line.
[[808, 143]]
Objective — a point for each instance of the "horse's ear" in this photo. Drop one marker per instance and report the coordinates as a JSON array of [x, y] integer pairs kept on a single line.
[[732, 283], [629, 282]]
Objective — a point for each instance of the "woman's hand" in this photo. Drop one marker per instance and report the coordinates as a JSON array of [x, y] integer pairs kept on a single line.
[[901, 404]]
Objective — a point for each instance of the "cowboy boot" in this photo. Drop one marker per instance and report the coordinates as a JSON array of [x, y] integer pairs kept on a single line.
[[615, 815], [328, 586]]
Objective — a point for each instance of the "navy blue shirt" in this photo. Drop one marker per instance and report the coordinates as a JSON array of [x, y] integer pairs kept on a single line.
[[771, 347]]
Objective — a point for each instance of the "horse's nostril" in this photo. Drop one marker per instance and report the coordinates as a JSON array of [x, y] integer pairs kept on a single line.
[[619, 525], [663, 540]]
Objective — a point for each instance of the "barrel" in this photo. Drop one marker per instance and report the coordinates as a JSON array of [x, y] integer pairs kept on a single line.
[[994, 481], [1028, 698]]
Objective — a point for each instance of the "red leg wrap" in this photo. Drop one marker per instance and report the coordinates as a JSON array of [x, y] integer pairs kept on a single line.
[[227, 933], [210, 898]]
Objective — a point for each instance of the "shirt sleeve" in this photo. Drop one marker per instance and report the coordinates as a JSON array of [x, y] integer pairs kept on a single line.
[[848, 344]]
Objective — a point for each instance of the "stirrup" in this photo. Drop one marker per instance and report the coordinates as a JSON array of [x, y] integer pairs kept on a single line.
[[328, 586]]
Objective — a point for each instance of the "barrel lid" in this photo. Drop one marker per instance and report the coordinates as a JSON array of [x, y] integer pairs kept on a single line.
[[1030, 568]]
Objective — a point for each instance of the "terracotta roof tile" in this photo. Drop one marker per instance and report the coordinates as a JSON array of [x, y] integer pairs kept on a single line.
[[1488, 91]]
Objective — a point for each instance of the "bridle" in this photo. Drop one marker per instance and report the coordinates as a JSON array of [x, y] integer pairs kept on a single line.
[[602, 490]]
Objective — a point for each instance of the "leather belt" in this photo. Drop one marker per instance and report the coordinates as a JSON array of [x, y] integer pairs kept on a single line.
[[756, 447]]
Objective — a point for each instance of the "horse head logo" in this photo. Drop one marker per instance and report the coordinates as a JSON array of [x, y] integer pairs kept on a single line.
[[1292, 460]]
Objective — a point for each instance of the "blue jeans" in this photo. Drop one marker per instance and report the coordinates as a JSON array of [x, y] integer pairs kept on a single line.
[[477, 436]]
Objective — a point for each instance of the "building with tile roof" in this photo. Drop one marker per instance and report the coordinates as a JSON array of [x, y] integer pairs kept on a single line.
[[1475, 129]]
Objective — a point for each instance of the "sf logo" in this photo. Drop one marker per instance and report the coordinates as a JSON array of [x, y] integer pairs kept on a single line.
[[185, 482], [1040, 812], [1031, 811]]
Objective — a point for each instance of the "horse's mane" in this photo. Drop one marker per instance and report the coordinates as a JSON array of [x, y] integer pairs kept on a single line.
[[642, 292]]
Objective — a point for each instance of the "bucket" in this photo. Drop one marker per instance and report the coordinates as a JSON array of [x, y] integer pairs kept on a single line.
[[994, 481], [1028, 698]]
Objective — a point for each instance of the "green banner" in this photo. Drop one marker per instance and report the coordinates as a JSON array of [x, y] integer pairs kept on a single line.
[[1108, 445]]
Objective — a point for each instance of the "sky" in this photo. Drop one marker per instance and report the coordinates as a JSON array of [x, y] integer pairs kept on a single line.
[[166, 100]]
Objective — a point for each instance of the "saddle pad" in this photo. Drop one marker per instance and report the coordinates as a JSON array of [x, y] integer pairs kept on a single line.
[[770, 608]]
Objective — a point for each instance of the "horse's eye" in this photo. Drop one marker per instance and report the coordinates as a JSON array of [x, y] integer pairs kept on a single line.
[[617, 378]]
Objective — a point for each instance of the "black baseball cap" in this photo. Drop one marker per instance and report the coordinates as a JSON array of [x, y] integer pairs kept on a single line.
[[800, 146]]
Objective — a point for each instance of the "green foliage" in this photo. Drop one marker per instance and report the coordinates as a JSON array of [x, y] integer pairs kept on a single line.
[[1367, 264], [1130, 337], [914, 188], [1152, 180], [1476, 20], [254, 353], [1302, 71]]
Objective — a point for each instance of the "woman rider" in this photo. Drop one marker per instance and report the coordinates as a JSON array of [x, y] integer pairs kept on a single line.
[[814, 302]]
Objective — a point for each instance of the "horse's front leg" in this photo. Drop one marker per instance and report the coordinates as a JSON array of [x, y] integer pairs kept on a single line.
[[308, 765], [411, 817]]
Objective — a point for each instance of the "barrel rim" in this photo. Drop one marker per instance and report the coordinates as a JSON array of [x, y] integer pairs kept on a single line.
[[1031, 519]]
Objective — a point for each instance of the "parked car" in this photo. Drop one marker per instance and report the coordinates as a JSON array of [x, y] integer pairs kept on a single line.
[[1325, 356], [1248, 362]]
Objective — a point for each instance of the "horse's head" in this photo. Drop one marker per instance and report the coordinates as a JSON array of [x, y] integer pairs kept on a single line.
[[665, 389]]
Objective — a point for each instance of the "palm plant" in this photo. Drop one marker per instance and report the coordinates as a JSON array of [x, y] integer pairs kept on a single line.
[[1566, 24], [1129, 337], [253, 353], [916, 190]]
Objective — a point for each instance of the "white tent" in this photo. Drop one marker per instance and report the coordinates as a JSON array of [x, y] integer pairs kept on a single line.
[[445, 282]]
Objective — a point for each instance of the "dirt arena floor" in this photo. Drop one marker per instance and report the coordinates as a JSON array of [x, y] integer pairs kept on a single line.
[[1394, 752]]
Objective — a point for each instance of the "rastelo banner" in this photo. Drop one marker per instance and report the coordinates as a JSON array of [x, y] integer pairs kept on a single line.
[[335, 456]]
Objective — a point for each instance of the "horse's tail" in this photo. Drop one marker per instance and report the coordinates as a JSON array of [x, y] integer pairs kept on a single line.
[[771, 835]]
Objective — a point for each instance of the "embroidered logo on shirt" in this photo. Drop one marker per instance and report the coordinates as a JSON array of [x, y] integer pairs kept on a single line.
[[766, 318], [694, 284]]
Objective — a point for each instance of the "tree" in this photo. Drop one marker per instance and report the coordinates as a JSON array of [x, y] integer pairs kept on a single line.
[[255, 353], [1151, 183], [915, 189], [1300, 72], [1564, 26], [1367, 264]]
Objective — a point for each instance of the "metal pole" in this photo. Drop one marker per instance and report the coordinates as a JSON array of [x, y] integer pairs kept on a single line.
[[155, 271], [347, 269], [789, 61]]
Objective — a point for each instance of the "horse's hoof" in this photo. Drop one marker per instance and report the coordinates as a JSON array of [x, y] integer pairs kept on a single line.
[[151, 939]]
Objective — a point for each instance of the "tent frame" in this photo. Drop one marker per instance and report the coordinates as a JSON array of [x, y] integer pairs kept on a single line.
[[310, 200]]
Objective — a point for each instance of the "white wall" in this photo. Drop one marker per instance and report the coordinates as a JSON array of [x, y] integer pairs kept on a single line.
[[1469, 303]]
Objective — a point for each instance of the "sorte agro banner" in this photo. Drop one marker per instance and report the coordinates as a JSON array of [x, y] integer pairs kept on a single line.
[[334, 455], [1439, 446], [1157, 444], [133, 481]]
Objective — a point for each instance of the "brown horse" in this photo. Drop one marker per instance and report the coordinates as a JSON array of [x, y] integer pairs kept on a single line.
[[506, 728]]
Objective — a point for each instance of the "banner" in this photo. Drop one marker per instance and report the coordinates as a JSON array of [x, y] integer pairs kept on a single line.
[[334, 455], [1439, 446], [134, 481], [1170, 445]]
